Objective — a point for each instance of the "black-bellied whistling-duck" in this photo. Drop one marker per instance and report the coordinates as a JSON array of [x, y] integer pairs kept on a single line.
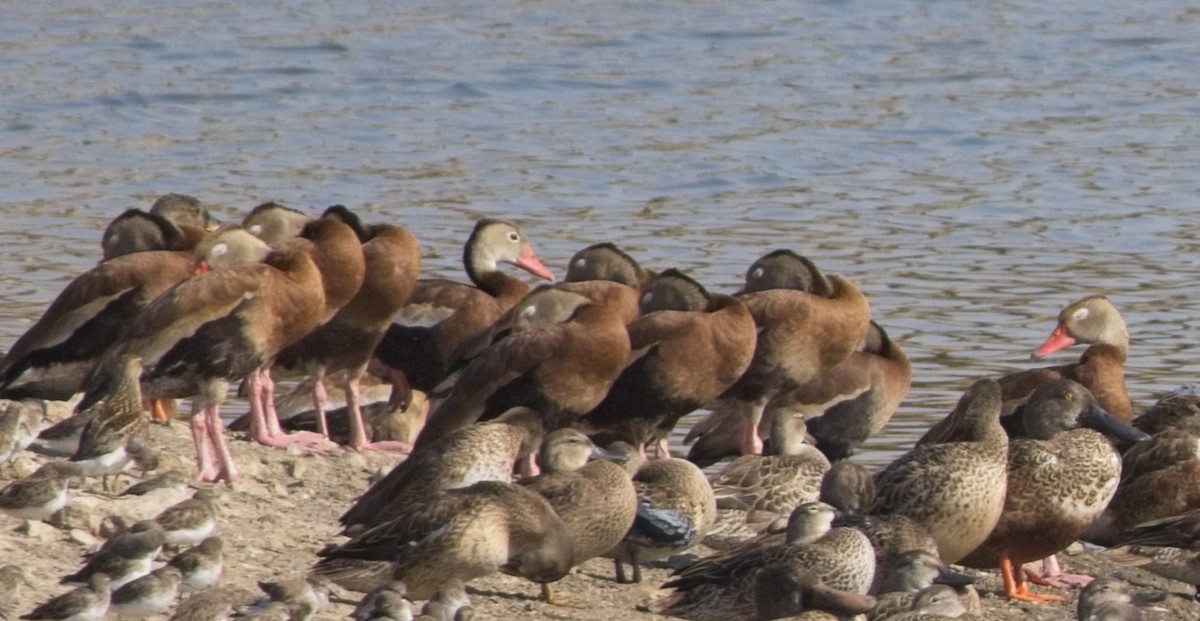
[[174, 222], [183, 209], [843, 406], [683, 358], [1095, 321], [342, 346], [601, 273], [562, 370], [139, 231], [1060, 479], [442, 314], [338, 255], [273, 223], [604, 261], [800, 336], [51, 359], [222, 325]]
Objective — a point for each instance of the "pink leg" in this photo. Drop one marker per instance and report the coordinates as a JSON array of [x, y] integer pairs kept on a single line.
[[662, 448], [751, 443], [268, 401], [260, 432], [1052, 575], [319, 401], [206, 469], [216, 430], [401, 396], [528, 467]]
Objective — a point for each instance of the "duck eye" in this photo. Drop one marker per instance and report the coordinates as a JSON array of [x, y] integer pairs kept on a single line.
[[513, 236], [220, 249]]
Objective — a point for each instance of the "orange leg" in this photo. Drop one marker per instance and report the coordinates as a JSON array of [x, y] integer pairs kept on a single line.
[[158, 411], [1015, 586]]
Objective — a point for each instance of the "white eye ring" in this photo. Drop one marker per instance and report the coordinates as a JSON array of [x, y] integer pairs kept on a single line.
[[757, 272], [529, 311], [513, 236], [646, 297], [581, 262], [220, 249], [1080, 314], [255, 229]]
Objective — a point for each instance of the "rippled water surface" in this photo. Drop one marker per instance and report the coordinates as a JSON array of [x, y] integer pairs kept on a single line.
[[972, 166]]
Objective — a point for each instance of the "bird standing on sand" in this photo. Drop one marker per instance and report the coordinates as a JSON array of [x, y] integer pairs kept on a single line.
[[190, 521], [41, 494], [20, 422], [89, 603], [104, 443]]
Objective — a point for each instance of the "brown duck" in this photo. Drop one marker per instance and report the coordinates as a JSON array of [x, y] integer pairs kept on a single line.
[[442, 314], [595, 499], [1060, 479], [800, 336], [682, 359], [956, 489], [341, 347]]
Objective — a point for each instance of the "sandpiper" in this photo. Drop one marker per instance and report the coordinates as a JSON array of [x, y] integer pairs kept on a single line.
[[272, 611], [107, 444], [12, 578], [209, 605], [126, 557], [41, 494], [112, 453], [148, 595], [171, 479], [89, 603], [62, 438], [449, 600], [19, 425], [190, 521], [202, 565], [385, 602], [304, 597]]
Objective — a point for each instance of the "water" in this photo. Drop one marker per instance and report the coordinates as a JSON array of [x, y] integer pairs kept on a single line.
[[972, 166]]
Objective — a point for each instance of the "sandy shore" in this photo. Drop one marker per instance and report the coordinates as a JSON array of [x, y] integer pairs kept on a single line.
[[285, 508]]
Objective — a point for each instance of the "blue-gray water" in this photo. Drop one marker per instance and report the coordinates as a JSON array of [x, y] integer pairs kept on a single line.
[[972, 166]]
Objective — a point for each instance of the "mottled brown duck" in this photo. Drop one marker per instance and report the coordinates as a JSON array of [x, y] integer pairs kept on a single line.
[[442, 314], [955, 489], [790, 592], [1060, 479], [1156, 483], [676, 508], [778, 482], [894, 537], [721, 586], [595, 499], [1112, 599], [463, 533], [483, 452]]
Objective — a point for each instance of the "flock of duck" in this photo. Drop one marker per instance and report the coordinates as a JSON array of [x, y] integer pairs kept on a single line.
[[546, 443]]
